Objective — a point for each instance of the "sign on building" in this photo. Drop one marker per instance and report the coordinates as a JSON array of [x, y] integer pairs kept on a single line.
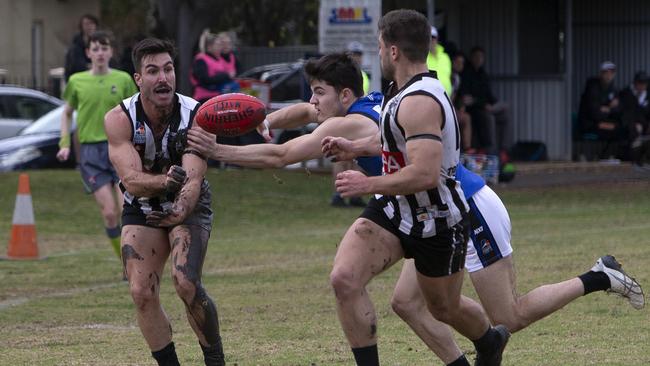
[[344, 21]]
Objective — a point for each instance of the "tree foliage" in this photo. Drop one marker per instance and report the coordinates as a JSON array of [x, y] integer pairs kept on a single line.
[[254, 22]]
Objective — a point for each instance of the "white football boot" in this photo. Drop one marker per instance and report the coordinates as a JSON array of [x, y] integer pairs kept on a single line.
[[621, 284]]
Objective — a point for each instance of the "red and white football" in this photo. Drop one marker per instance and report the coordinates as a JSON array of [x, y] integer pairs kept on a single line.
[[231, 114]]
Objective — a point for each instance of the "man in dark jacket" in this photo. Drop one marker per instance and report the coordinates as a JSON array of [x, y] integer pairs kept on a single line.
[[75, 58], [599, 112], [489, 117], [635, 115]]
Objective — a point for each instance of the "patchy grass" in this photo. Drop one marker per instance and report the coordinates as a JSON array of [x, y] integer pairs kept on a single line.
[[267, 268]]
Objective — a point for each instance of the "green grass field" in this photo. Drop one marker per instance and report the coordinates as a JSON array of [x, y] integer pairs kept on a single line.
[[268, 265]]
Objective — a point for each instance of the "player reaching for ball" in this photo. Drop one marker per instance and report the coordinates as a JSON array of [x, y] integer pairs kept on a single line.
[[493, 274], [166, 203]]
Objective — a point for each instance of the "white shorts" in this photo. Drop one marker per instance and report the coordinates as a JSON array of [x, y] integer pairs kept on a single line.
[[490, 230]]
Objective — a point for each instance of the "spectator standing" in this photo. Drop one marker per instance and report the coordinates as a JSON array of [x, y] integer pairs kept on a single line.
[[92, 93], [76, 59], [635, 114], [439, 61], [211, 73], [355, 50], [489, 116]]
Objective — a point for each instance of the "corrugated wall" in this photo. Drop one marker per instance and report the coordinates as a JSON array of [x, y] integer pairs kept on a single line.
[[538, 107], [605, 30]]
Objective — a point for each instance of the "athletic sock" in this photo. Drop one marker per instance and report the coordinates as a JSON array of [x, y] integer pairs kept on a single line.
[[213, 355], [595, 281], [113, 234], [460, 361], [486, 342], [166, 356], [366, 356]]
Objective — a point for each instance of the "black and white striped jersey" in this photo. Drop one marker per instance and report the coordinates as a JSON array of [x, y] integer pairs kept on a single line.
[[157, 155], [425, 213]]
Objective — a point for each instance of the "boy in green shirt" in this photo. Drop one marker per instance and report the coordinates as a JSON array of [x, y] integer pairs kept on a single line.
[[92, 93]]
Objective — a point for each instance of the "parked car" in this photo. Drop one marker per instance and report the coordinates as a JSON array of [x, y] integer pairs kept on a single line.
[[288, 84], [36, 145], [19, 107]]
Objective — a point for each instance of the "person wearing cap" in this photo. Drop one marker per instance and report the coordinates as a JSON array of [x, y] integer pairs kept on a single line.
[[635, 115], [355, 50], [598, 112], [439, 61]]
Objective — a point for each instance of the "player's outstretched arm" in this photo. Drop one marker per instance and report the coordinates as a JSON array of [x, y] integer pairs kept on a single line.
[[421, 118], [341, 148], [127, 162], [296, 150], [293, 116]]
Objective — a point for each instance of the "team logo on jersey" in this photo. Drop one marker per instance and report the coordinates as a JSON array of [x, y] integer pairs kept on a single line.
[[140, 134], [392, 161]]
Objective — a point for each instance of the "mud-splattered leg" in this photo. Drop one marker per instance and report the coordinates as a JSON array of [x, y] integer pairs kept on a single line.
[[189, 245], [365, 251], [144, 253]]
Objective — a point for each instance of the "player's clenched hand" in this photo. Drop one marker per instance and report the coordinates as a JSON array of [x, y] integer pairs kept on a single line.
[[337, 148], [169, 217], [176, 177], [202, 141], [351, 183]]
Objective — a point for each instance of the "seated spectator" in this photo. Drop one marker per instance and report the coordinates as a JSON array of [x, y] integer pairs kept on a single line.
[[489, 116], [464, 119], [635, 115], [598, 112]]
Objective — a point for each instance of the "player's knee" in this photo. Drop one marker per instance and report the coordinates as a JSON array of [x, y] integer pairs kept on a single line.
[[406, 307], [442, 311], [512, 317], [144, 297], [343, 282]]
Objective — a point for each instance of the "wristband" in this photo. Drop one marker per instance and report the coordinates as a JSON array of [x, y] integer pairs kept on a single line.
[[64, 142]]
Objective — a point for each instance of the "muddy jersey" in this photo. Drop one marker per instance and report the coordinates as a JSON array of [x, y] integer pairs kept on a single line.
[[426, 213], [157, 155]]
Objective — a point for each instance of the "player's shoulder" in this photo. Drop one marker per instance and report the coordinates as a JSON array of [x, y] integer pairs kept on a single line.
[[117, 114], [187, 102]]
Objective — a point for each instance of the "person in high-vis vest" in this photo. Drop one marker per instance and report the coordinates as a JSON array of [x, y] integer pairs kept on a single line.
[[211, 73], [439, 61], [355, 50]]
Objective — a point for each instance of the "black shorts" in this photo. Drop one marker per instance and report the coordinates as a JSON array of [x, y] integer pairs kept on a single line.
[[440, 255], [201, 216]]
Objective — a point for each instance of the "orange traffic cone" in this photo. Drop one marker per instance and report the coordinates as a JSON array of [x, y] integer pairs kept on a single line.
[[22, 244]]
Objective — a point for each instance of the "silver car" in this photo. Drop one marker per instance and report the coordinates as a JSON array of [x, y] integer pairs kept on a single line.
[[19, 107]]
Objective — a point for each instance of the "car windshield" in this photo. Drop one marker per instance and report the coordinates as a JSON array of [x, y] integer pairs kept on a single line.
[[50, 122]]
